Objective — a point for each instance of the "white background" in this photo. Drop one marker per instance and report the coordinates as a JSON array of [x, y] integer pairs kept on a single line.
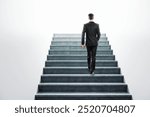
[[27, 27]]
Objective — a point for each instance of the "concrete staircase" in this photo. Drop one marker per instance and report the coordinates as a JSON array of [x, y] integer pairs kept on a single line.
[[65, 75]]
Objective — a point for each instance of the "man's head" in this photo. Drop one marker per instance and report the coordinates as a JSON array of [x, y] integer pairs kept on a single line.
[[91, 16]]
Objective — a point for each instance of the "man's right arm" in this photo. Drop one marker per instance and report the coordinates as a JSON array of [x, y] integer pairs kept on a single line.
[[98, 32]]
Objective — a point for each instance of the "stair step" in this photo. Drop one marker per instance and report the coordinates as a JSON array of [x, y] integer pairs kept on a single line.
[[73, 35], [80, 70], [77, 48], [109, 52], [74, 39], [68, 43], [83, 96], [79, 57], [77, 44], [82, 87], [78, 63], [112, 78]]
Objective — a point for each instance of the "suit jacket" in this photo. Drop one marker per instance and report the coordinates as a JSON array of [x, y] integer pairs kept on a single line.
[[92, 32]]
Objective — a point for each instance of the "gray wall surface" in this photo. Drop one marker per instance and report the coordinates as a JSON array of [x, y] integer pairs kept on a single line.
[[27, 27]]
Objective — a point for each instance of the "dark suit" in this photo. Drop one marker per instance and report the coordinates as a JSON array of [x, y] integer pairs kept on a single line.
[[92, 32]]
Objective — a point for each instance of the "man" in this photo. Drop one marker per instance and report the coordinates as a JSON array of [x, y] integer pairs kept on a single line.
[[92, 32]]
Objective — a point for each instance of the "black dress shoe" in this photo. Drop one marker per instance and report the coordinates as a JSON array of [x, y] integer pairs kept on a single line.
[[91, 71]]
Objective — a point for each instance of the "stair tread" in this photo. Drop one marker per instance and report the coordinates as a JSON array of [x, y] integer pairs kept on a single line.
[[77, 50], [76, 46], [80, 61], [76, 40], [75, 75], [72, 34], [83, 84], [78, 55], [83, 93], [81, 67]]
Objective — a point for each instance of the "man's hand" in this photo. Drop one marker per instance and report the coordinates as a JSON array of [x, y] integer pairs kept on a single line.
[[82, 46]]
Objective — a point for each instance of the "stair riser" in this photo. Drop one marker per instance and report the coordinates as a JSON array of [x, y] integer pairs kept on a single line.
[[77, 48], [82, 88], [105, 79], [80, 71], [74, 39], [99, 64], [75, 44], [74, 35], [93, 97], [79, 52], [79, 57]]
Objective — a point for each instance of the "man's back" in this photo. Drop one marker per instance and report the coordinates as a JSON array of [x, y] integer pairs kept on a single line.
[[92, 34]]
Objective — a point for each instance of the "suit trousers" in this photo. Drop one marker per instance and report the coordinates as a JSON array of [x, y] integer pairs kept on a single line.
[[91, 57]]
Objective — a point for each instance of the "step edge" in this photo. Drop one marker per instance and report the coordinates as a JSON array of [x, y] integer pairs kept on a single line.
[[81, 75], [83, 84], [83, 93], [80, 67]]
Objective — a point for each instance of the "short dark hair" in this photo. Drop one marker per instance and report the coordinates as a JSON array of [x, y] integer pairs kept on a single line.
[[91, 16]]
